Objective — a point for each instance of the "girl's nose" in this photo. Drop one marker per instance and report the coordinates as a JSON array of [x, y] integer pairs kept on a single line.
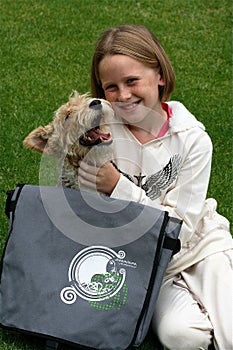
[[124, 94]]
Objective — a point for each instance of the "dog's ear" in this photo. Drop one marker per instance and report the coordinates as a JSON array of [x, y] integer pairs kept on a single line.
[[38, 138]]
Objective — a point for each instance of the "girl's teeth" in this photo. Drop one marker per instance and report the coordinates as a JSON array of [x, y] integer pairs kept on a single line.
[[130, 106]]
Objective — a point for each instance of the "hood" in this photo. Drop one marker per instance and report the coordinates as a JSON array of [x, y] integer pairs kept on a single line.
[[182, 119]]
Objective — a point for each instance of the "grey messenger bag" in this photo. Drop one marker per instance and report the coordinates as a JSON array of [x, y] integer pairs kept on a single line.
[[83, 269]]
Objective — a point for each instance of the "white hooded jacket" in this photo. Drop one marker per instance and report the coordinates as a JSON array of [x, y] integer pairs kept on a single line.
[[172, 173]]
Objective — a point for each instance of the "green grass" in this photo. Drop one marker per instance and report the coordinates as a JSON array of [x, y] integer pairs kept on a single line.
[[46, 49]]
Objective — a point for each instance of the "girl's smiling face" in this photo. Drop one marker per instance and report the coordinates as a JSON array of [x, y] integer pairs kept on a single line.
[[131, 87]]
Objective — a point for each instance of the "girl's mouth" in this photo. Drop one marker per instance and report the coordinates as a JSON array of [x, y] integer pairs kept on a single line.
[[129, 106]]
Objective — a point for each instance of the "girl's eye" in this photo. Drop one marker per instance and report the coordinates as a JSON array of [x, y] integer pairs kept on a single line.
[[110, 87], [132, 80]]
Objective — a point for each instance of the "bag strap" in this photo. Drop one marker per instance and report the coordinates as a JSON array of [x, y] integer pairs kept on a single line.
[[172, 244], [10, 202], [51, 345], [10, 205]]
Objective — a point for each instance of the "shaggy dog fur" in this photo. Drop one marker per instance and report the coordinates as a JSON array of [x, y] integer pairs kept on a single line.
[[80, 129]]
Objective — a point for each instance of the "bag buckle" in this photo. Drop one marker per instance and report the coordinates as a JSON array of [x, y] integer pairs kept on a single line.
[[51, 345]]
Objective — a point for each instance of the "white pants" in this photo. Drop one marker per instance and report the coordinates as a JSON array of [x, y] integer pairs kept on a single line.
[[196, 306]]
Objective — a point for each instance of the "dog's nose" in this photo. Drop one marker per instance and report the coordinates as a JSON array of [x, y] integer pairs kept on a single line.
[[95, 104]]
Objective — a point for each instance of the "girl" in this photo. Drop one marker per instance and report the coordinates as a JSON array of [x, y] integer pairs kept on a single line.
[[163, 159]]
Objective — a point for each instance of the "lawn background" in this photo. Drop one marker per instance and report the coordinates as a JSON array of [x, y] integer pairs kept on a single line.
[[46, 50]]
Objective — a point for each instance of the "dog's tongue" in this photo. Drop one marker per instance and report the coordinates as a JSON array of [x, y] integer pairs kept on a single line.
[[96, 135]]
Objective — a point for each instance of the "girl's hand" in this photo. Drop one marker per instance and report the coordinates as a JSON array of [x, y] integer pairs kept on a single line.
[[102, 179]]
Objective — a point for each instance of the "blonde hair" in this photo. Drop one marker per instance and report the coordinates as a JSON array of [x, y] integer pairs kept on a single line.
[[137, 42]]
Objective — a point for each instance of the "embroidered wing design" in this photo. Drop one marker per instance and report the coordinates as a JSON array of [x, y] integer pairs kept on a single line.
[[163, 178], [158, 181]]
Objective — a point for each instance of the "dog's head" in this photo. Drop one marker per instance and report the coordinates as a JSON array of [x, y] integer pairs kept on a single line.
[[78, 125]]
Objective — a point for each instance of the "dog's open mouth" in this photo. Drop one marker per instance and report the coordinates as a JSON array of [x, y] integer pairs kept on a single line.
[[95, 137]]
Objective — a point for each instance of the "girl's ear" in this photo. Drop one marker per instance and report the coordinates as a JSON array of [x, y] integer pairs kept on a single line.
[[38, 138], [161, 85], [161, 81]]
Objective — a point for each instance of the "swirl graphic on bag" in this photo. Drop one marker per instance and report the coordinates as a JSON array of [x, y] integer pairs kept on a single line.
[[95, 275]]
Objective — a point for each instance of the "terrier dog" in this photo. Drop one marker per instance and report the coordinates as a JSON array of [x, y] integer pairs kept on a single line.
[[80, 130]]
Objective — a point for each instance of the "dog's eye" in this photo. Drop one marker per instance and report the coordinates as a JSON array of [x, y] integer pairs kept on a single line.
[[67, 117]]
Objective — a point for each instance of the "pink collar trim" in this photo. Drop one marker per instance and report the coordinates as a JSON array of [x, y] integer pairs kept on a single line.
[[165, 126]]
